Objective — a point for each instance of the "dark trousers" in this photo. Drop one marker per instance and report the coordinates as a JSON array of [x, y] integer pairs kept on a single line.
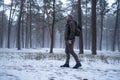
[[69, 50]]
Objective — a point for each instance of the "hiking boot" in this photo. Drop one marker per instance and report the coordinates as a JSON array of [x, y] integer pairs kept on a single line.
[[65, 65], [77, 66]]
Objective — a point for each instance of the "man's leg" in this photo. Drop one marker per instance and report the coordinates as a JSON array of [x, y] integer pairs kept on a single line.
[[67, 56], [67, 53], [72, 52], [78, 64]]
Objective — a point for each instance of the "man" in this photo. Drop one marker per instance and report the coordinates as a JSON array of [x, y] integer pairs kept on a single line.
[[69, 42]]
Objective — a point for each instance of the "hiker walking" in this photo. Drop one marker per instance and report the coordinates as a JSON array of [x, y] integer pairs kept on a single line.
[[69, 42]]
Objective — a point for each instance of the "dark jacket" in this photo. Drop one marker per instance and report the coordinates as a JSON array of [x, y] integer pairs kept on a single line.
[[70, 30]]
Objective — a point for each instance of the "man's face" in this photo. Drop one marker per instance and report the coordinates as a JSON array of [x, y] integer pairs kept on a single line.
[[67, 17]]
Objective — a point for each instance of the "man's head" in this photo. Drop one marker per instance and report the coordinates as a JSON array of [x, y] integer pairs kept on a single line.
[[69, 17]]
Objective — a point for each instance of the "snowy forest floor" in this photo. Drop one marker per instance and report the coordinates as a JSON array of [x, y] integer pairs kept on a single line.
[[32, 64]]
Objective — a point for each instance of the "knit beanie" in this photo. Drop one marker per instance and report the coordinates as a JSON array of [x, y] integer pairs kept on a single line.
[[70, 16]]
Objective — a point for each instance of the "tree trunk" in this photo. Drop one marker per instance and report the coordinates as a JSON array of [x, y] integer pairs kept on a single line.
[[102, 13], [53, 24], [101, 33], [26, 37], [119, 27], [2, 29], [119, 36], [86, 39], [43, 25], [61, 39], [22, 28], [9, 25], [80, 23], [89, 38], [106, 39], [19, 26], [49, 29], [116, 27], [93, 26], [30, 24]]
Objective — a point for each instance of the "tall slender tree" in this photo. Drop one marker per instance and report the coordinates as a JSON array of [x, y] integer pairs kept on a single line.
[[80, 23], [53, 25], [43, 25], [2, 26], [26, 30], [19, 25], [30, 23], [86, 32], [9, 25], [117, 25], [93, 26], [103, 11]]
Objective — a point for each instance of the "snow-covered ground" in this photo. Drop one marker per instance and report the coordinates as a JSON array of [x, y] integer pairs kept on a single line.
[[14, 65], [56, 50]]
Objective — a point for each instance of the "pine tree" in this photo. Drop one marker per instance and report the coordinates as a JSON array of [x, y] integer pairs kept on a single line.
[[93, 26]]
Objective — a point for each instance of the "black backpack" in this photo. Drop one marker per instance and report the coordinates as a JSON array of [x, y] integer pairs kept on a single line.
[[77, 29]]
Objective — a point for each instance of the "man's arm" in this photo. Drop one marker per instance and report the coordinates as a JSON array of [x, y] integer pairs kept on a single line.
[[72, 30]]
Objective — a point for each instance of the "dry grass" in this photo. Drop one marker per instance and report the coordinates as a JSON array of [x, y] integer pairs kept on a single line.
[[109, 59]]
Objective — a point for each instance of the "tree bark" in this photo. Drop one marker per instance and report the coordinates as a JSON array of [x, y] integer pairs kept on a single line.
[[22, 28], [93, 26], [9, 26], [30, 24], [53, 24], [116, 27], [101, 33], [2, 28], [102, 13], [43, 25], [80, 23], [19, 26], [86, 32]]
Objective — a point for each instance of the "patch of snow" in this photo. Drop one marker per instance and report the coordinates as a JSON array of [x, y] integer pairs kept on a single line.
[[50, 70], [13, 67]]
